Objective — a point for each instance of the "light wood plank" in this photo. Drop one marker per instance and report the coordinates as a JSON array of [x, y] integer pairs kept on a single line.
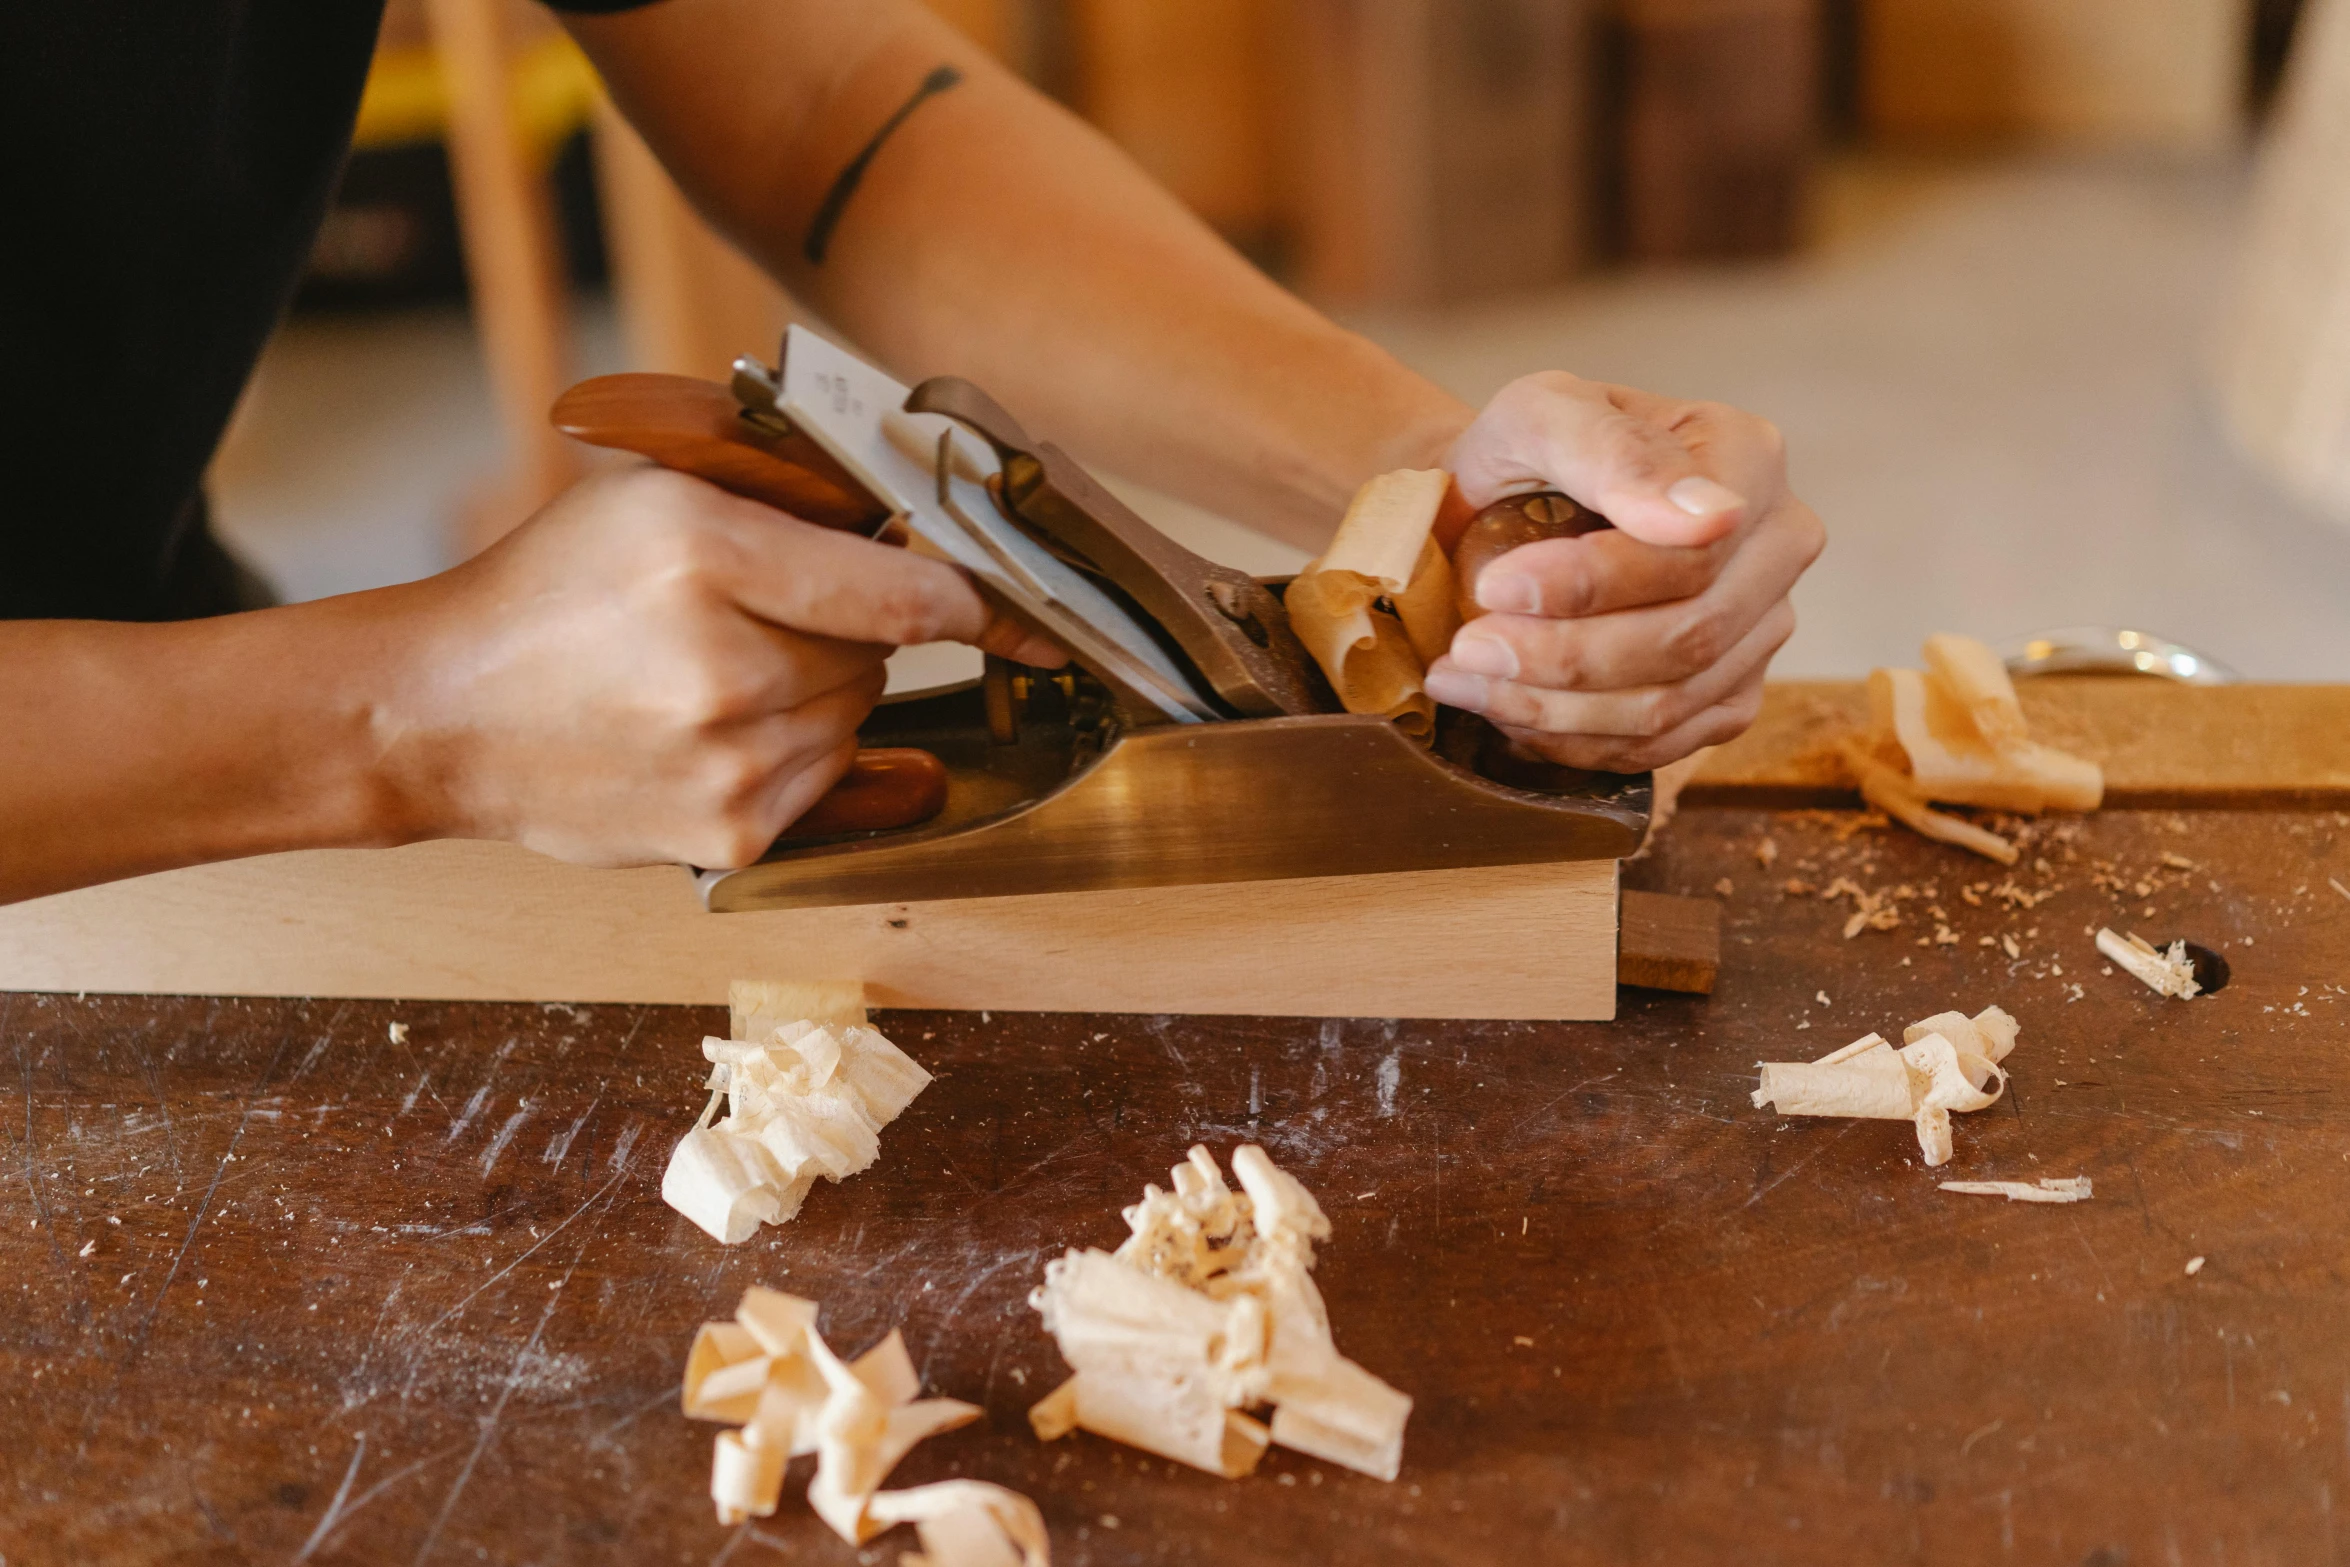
[[2160, 743], [488, 921]]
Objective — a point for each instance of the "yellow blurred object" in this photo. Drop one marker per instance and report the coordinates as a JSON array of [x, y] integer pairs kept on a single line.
[[407, 98]]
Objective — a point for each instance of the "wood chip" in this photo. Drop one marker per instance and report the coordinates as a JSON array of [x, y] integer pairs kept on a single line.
[[1208, 1310], [1892, 792], [1947, 1062], [2169, 973], [806, 1097], [1384, 551], [1955, 733], [770, 1374], [1952, 760], [967, 1523], [2047, 1189]]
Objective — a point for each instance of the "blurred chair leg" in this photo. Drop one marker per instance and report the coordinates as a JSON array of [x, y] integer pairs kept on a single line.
[[690, 303], [2283, 355], [513, 261]]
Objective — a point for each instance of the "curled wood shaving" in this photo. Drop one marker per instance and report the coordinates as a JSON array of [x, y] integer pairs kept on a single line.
[[805, 1098], [2169, 973], [1377, 608], [967, 1523], [1209, 1310], [1954, 732], [770, 1374], [1946, 1062], [2074, 1188], [1892, 792]]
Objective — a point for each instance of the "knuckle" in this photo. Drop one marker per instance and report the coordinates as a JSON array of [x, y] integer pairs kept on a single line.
[[908, 609], [683, 552], [1553, 712], [1540, 385], [1698, 637], [1656, 712], [732, 779], [1812, 534], [731, 842], [1629, 448], [1555, 654], [1570, 585], [704, 695]]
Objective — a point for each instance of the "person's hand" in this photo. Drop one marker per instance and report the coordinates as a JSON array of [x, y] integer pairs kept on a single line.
[[1631, 647], [651, 669]]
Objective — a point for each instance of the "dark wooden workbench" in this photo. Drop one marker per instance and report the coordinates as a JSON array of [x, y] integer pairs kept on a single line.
[[420, 1302]]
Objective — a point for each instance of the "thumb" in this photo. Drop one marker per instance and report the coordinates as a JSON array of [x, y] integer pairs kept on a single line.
[[1560, 431]]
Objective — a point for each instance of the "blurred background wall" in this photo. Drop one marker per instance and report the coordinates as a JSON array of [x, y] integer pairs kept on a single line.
[[2007, 272]]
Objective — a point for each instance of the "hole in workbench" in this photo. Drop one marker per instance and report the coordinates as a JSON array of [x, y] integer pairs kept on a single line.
[[2211, 970]]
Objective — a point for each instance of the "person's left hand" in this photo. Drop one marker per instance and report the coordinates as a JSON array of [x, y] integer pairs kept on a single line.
[[1631, 647]]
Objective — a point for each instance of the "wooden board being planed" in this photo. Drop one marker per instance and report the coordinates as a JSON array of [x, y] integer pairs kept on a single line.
[[417, 1299], [489, 921], [2161, 744]]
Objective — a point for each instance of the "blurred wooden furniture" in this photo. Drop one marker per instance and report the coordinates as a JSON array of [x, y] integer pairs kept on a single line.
[[1188, 90], [512, 258], [690, 303], [2284, 352], [1716, 110], [1440, 145], [2165, 74]]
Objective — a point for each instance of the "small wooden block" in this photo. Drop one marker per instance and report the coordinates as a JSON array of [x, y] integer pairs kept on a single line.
[[1668, 943]]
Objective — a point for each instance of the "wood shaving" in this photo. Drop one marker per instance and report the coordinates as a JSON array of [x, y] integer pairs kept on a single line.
[[770, 1375], [1377, 608], [1955, 733], [1208, 1310], [1893, 793], [967, 1523], [2169, 973], [806, 1097], [1946, 1062], [2073, 1188]]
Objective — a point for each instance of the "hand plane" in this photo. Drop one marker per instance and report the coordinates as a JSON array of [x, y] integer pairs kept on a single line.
[[1190, 740]]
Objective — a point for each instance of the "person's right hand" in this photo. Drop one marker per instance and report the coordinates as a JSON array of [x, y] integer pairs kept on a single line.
[[651, 669]]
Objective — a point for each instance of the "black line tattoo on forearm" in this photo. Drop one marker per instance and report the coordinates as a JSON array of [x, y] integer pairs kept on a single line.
[[836, 200]]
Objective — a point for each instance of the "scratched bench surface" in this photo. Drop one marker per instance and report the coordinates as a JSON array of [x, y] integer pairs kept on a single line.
[[280, 1288]]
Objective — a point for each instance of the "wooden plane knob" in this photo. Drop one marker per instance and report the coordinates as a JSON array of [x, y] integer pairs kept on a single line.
[[1505, 525], [697, 427], [895, 786]]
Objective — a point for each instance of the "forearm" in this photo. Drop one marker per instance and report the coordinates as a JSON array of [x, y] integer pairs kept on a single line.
[[995, 236], [133, 748]]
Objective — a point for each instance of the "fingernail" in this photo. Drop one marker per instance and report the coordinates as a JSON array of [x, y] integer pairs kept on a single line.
[[1484, 655], [1510, 592], [1455, 688], [1701, 497]]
